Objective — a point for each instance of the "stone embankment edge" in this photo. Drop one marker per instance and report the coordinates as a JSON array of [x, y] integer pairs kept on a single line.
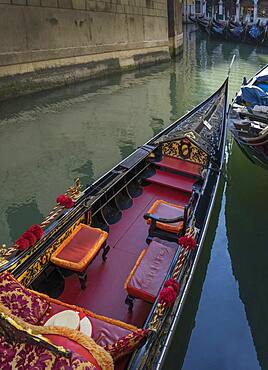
[[28, 78]]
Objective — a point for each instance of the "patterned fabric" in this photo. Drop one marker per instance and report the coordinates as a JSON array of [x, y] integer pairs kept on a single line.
[[22, 356], [20, 301], [127, 344]]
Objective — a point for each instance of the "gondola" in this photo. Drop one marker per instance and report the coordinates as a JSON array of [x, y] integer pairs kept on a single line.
[[264, 41], [202, 23], [235, 33], [249, 122], [254, 33], [102, 281], [217, 30], [194, 18]]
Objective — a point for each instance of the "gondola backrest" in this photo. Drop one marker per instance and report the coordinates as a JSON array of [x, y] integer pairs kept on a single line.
[[185, 149]]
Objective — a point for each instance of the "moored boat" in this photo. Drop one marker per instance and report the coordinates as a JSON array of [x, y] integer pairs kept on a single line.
[[248, 118], [147, 217], [202, 23], [254, 33], [235, 33], [217, 30]]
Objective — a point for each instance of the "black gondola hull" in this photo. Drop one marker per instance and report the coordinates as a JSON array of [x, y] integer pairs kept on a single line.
[[198, 137], [249, 128]]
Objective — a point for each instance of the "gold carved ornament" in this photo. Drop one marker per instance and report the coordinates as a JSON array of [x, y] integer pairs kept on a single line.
[[185, 149], [74, 192]]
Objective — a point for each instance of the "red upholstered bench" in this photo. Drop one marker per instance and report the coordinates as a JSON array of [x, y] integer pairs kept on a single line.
[[149, 272], [36, 308], [79, 250]]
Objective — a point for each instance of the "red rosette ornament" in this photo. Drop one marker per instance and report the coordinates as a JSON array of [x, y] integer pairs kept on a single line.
[[29, 236], [187, 242], [22, 244], [168, 296], [37, 231], [172, 283], [169, 292], [65, 201]]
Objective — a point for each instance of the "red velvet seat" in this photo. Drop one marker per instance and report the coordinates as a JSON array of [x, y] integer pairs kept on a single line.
[[79, 250], [166, 210], [36, 308], [148, 274], [103, 331]]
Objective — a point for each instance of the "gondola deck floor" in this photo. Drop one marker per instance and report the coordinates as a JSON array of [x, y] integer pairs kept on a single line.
[[127, 240]]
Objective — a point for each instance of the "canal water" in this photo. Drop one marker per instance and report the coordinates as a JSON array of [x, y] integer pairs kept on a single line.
[[47, 140]]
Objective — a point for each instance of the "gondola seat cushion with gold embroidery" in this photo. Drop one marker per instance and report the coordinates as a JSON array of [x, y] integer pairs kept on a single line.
[[37, 347], [149, 272], [37, 308], [22, 302], [165, 210]]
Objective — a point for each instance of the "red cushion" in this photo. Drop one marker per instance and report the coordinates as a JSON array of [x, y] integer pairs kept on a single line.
[[73, 346], [103, 332], [145, 281], [78, 250], [163, 209]]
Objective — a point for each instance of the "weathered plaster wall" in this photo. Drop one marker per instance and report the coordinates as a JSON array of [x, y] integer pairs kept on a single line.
[[48, 43]]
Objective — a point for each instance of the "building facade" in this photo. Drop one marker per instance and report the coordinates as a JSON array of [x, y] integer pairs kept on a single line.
[[246, 10]]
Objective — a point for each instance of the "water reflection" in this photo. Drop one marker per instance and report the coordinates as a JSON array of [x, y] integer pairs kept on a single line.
[[182, 336], [20, 215], [229, 331], [246, 221], [81, 132]]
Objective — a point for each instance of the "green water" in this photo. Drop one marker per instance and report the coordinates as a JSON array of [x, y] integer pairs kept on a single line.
[[49, 139]]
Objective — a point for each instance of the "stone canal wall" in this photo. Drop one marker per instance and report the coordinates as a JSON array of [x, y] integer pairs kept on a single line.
[[47, 43]]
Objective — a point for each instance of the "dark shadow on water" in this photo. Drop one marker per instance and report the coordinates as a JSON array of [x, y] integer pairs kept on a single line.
[[178, 348], [246, 220], [22, 215]]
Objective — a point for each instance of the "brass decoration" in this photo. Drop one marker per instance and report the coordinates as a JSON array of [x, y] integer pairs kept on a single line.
[[76, 189], [6, 252], [44, 258], [190, 135], [185, 149]]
